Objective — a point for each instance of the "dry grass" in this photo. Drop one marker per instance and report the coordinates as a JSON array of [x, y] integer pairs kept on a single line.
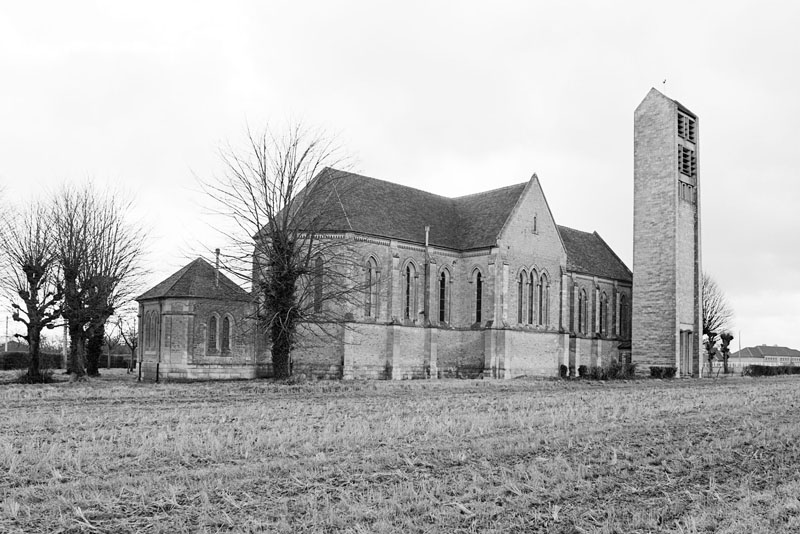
[[112, 455]]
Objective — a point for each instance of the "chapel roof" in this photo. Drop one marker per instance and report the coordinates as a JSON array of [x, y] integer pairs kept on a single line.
[[385, 209], [198, 279], [761, 351], [588, 253]]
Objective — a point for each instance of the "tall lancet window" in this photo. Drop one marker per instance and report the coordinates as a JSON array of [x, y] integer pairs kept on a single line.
[[478, 296]]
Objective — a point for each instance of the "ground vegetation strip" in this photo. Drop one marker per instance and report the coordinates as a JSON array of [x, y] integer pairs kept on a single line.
[[113, 455]]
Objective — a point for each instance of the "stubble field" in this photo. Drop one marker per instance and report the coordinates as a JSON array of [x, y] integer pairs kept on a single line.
[[113, 455]]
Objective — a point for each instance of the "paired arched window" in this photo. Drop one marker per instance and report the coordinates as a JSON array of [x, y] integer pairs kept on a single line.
[[478, 295], [521, 297], [444, 283], [219, 334], [371, 282], [410, 292]]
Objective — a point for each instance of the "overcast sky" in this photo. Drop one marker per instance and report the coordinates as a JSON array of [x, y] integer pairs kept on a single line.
[[450, 97]]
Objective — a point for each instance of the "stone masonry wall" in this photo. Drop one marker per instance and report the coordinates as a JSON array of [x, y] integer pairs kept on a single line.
[[654, 248], [460, 353]]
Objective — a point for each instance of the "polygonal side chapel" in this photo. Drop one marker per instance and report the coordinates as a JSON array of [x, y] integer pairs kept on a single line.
[[196, 325], [485, 284]]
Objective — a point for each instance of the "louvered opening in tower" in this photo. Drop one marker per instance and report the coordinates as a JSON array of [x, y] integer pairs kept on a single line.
[[686, 127]]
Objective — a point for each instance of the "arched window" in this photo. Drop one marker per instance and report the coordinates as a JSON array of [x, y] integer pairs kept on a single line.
[[520, 297], [371, 304], [478, 296], [153, 330], [318, 272], [544, 300], [531, 295], [226, 334], [603, 314], [410, 293], [582, 312], [212, 333], [146, 329], [624, 317], [443, 282]]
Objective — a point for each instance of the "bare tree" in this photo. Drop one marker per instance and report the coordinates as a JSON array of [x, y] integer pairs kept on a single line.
[[717, 312], [111, 340], [130, 336], [98, 252], [282, 194], [29, 261]]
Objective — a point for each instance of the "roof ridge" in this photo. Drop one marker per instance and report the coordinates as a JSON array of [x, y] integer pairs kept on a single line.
[[395, 184], [489, 191], [574, 229]]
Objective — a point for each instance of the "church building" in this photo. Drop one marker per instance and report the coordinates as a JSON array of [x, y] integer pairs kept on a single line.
[[481, 285]]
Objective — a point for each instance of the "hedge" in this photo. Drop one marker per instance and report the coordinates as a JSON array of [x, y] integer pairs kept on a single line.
[[19, 360], [663, 372], [48, 360], [770, 370]]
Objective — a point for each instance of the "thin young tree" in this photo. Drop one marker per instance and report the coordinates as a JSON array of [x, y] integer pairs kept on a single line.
[[130, 336], [29, 261], [717, 312], [111, 341], [282, 194], [98, 254]]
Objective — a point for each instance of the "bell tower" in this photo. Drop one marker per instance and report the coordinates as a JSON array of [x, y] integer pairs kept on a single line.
[[667, 269]]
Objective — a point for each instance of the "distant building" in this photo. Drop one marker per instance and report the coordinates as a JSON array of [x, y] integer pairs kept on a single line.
[[772, 355]]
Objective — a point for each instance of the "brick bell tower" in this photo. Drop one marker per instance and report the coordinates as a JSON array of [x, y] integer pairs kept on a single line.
[[667, 269]]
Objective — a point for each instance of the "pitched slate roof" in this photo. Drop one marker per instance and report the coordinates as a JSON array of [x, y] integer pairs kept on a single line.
[[761, 351], [587, 253], [197, 280], [376, 207]]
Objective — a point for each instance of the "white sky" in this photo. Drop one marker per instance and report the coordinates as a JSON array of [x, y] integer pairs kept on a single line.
[[450, 97]]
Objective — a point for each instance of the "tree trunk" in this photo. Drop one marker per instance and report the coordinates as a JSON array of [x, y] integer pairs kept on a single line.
[[94, 349], [34, 342], [77, 357], [281, 352]]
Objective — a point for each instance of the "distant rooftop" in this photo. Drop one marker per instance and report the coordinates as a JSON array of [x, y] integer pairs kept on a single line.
[[762, 351]]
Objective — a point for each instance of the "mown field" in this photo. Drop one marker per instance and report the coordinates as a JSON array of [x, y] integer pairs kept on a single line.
[[112, 455]]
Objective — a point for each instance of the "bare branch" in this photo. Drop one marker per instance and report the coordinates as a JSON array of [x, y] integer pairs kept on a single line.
[[281, 192]]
